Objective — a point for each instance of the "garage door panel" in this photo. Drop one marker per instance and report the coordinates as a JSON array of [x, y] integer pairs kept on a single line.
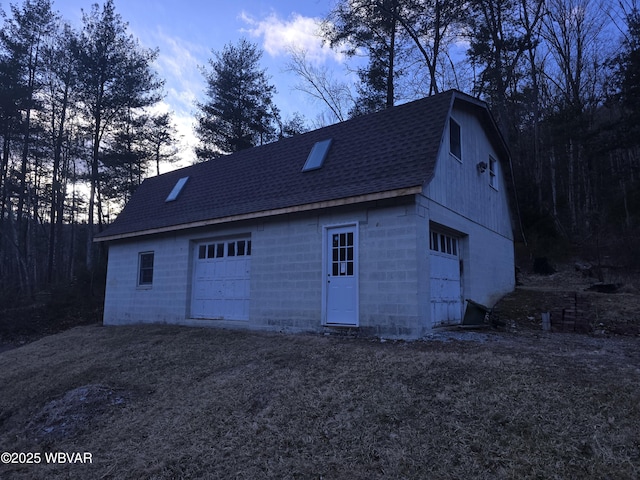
[[445, 279], [221, 280]]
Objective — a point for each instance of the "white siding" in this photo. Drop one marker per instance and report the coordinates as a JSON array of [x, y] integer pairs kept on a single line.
[[458, 185], [462, 199]]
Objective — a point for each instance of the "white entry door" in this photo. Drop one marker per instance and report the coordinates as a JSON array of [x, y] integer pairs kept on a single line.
[[341, 305], [446, 279], [221, 277]]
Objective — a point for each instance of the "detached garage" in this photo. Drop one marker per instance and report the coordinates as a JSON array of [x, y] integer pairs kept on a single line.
[[386, 223]]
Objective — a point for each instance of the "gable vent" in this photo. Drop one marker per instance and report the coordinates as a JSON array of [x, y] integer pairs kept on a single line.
[[177, 189], [317, 155]]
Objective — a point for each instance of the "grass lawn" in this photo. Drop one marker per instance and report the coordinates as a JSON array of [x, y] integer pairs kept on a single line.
[[159, 402]]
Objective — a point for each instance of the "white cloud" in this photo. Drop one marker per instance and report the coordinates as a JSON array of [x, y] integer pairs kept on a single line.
[[178, 64], [280, 36]]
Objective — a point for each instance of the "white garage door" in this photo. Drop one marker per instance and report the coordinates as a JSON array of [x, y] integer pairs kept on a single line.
[[446, 281], [221, 280]]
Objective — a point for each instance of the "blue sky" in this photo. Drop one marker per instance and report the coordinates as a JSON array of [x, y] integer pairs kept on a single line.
[[187, 31]]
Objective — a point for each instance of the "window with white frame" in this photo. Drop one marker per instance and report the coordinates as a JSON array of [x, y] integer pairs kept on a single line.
[[493, 172], [455, 145], [145, 269], [443, 243], [222, 249]]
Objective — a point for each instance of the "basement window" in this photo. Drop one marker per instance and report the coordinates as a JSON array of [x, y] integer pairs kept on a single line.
[[177, 189], [317, 155]]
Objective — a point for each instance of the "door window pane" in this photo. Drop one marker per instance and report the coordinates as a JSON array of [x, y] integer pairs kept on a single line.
[[342, 254]]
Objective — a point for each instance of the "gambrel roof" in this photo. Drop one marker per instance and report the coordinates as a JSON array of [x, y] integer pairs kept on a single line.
[[386, 154]]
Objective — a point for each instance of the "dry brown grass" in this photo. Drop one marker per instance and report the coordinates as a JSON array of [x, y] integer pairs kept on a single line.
[[160, 402]]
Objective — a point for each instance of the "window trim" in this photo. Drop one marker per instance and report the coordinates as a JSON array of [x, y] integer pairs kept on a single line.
[[142, 269], [458, 154]]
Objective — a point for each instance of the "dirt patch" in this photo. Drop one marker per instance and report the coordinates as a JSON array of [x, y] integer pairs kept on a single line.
[[74, 412]]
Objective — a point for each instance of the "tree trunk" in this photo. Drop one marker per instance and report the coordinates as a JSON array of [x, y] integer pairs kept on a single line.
[[392, 54], [554, 192], [94, 185], [4, 168], [571, 187], [56, 189]]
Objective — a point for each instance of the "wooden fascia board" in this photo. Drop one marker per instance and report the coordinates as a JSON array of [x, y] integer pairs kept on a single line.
[[269, 213]]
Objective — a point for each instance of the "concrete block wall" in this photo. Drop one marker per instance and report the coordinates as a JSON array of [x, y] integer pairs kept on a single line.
[[389, 290], [287, 268], [286, 273], [161, 302]]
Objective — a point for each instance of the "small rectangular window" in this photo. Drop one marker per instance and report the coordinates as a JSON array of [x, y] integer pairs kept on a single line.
[[493, 172], [145, 270], [224, 249], [443, 243], [455, 145]]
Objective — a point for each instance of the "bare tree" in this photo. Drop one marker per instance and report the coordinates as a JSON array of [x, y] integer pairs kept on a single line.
[[501, 33], [573, 33], [318, 83], [573, 30]]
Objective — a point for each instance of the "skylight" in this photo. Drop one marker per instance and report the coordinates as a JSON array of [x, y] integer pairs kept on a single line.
[[177, 189], [317, 155]]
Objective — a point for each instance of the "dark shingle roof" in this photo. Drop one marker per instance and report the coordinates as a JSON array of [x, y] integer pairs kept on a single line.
[[385, 151]]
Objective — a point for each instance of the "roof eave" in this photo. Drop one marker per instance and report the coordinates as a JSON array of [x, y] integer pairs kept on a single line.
[[401, 192]]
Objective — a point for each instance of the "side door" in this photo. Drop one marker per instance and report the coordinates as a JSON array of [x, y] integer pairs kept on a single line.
[[445, 279], [341, 269]]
